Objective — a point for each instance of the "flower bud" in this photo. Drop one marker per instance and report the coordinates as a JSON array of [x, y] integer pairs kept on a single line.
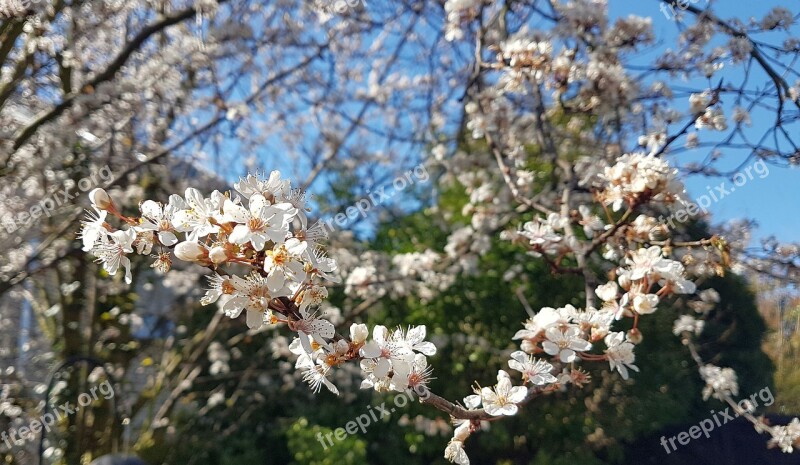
[[659, 233], [100, 199], [359, 333], [624, 281], [598, 334], [190, 252], [635, 336], [462, 432], [218, 255], [528, 346], [608, 291]]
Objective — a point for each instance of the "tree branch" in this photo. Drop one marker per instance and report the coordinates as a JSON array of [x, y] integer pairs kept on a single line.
[[130, 48]]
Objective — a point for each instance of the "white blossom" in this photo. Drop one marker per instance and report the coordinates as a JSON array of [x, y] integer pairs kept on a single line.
[[620, 353], [688, 324], [786, 436], [260, 223], [111, 250], [159, 219], [502, 399], [564, 343], [720, 382], [537, 372]]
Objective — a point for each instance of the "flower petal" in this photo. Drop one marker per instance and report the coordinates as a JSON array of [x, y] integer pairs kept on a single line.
[[167, 238], [255, 319], [240, 234], [426, 348]]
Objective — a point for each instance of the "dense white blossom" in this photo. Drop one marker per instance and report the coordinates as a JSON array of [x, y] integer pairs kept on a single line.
[[687, 323], [620, 353], [786, 436], [720, 382], [635, 177]]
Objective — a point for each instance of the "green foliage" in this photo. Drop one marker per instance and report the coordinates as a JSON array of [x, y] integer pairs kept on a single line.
[[734, 334], [307, 449]]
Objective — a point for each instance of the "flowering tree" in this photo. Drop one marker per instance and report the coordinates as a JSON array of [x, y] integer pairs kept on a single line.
[[272, 239], [103, 93], [220, 231], [572, 138]]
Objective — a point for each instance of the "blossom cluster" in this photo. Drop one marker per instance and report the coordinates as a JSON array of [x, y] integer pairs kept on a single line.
[[458, 13], [263, 229], [392, 361], [501, 400], [785, 437], [266, 262], [636, 178], [555, 341], [720, 382]]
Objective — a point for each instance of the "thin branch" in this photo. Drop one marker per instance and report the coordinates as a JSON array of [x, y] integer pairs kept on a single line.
[[130, 48]]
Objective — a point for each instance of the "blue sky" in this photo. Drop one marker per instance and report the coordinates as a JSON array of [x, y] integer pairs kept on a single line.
[[774, 201]]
